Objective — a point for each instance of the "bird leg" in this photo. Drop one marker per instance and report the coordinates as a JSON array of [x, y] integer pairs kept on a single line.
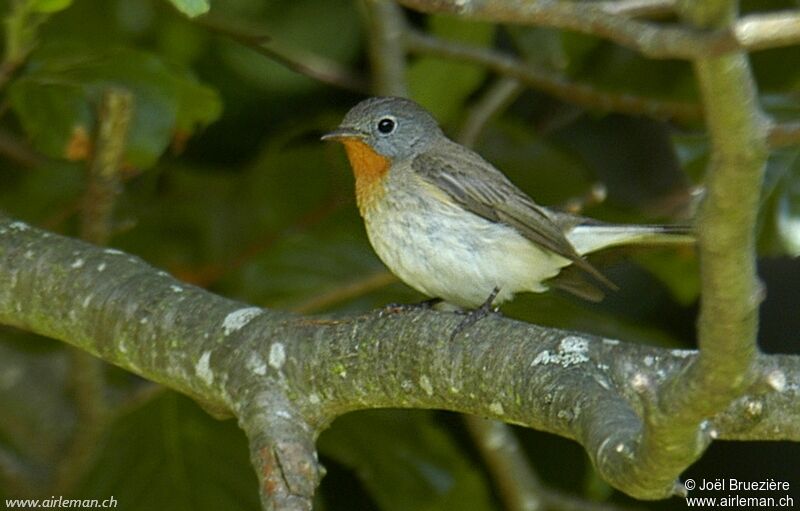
[[478, 314]]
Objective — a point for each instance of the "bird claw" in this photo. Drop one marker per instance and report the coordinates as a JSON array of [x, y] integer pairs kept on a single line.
[[475, 315]]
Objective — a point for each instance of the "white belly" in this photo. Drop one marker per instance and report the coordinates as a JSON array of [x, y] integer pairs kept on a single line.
[[444, 252]]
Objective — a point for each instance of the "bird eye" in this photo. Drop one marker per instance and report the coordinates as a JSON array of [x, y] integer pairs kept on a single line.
[[386, 125]]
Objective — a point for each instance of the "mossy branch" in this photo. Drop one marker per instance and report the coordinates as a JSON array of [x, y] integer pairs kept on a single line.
[[287, 377]]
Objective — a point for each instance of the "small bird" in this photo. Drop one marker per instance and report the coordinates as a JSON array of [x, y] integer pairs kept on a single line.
[[453, 227]]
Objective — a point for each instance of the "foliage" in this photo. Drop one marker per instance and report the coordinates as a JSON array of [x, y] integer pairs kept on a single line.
[[227, 186]]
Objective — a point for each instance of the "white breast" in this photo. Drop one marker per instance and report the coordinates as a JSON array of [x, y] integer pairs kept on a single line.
[[443, 251]]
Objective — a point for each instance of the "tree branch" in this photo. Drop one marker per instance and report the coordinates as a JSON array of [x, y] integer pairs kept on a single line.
[[784, 134], [614, 22], [762, 31], [677, 428], [316, 67], [286, 377], [496, 98], [553, 83], [652, 40], [386, 47]]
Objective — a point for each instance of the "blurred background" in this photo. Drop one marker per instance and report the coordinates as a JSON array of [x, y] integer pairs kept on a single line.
[[226, 185]]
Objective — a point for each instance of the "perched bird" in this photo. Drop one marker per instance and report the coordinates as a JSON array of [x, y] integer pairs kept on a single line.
[[452, 226]]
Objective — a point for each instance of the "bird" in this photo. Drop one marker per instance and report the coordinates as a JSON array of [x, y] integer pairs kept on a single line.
[[452, 226]]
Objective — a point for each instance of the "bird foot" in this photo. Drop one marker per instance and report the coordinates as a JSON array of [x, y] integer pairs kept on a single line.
[[475, 315]]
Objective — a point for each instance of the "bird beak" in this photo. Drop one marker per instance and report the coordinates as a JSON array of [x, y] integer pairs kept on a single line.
[[342, 133]]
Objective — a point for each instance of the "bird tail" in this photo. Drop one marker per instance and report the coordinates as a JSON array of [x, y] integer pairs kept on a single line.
[[591, 238]]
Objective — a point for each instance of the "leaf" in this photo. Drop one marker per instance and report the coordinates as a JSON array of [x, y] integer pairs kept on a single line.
[[406, 460], [48, 6], [169, 454], [58, 99], [192, 8], [780, 210], [442, 85]]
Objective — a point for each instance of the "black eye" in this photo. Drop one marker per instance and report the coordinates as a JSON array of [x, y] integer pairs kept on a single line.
[[386, 125]]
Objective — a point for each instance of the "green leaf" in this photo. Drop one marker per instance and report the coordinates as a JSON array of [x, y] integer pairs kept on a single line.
[[440, 85], [57, 100], [192, 8], [780, 211], [406, 460], [47, 6], [169, 454], [788, 217]]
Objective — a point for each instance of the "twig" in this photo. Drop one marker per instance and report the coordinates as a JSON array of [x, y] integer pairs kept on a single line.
[[86, 373], [784, 134], [96, 226], [209, 274], [348, 291], [553, 83], [518, 485], [19, 151], [300, 61], [104, 173], [761, 31], [497, 97], [638, 8], [386, 47], [21, 25]]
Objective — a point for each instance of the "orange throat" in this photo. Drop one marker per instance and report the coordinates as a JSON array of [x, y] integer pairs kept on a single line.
[[369, 169]]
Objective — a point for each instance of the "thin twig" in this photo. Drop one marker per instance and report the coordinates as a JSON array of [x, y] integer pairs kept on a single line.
[[348, 291], [104, 174], [638, 8], [553, 83], [18, 151], [517, 483], [784, 134], [386, 47], [96, 226], [499, 95], [300, 61]]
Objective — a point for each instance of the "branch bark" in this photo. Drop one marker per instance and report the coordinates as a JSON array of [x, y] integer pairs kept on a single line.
[[609, 21], [553, 83], [286, 377]]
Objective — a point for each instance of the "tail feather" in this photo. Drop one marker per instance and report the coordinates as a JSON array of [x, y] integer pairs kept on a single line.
[[591, 238]]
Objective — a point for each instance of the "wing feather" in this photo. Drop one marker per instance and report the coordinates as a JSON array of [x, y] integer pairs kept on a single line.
[[480, 188]]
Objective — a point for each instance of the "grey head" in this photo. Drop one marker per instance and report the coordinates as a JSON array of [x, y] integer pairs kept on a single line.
[[397, 128]]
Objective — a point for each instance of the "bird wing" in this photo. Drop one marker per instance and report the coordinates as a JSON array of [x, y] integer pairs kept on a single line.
[[480, 188]]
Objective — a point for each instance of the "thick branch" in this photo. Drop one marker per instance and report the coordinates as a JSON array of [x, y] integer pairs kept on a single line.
[[677, 432], [287, 377], [652, 40], [615, 23]]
